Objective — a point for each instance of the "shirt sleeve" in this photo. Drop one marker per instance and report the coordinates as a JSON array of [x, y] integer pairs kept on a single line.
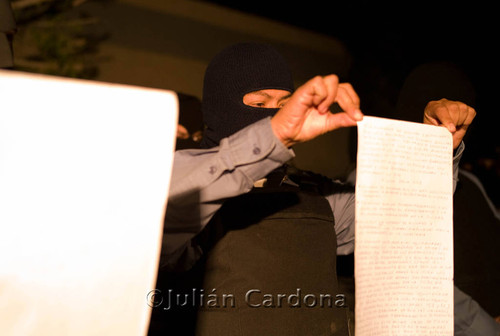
[[471, 319], [203, 179], [342, 202], [456, 162]]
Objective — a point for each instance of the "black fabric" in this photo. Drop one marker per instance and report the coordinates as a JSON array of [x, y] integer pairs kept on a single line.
[[234, 72], [477, 247], [432, 81], [278, 239]]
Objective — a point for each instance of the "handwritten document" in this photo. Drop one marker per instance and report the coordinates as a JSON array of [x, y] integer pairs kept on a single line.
[[404, 234], [84, 176]]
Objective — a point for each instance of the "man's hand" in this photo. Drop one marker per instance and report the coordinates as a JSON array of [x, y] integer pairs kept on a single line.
[[306, 115], [454, 115]]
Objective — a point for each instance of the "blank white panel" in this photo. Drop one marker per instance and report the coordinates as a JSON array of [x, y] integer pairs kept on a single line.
[[84, 177]]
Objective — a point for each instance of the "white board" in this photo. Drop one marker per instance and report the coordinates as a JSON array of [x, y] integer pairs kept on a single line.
[[84, 177]]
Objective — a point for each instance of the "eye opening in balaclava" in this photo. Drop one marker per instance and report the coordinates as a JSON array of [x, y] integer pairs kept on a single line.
[[237, 70]]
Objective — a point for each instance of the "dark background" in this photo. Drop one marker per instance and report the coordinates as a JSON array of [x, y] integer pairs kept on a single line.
[[388, 40], [385, 40]]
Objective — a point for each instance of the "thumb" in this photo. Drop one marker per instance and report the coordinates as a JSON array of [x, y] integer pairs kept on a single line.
[[339, 120]]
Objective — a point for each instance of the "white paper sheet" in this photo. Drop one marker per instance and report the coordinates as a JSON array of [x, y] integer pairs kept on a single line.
[[404, 234], [84, 176]]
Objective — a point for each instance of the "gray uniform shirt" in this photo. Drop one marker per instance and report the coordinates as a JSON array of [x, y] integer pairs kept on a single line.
[[202, 179]]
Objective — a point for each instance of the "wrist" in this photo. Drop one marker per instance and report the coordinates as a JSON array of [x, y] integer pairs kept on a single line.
[[280, 134]]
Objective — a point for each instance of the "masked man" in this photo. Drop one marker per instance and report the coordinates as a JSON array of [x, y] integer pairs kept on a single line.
[[258, 235]]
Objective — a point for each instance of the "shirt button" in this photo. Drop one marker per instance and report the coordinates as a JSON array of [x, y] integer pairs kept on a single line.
[[256, 150], [212, 170]]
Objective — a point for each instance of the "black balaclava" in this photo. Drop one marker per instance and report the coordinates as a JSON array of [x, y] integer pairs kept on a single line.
[[234, 72], [433, 81]]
